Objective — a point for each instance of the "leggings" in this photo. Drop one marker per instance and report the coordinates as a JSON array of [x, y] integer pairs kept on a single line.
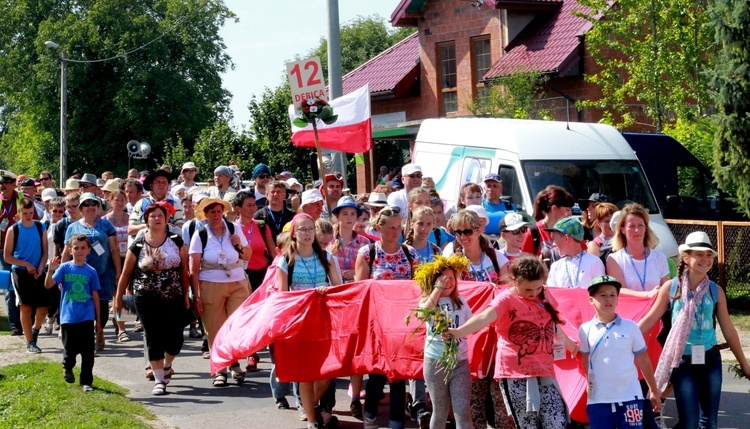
[[551, 415], [456, 391], [479, 409]]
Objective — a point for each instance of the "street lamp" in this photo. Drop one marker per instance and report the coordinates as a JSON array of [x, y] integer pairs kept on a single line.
[[63, 109]]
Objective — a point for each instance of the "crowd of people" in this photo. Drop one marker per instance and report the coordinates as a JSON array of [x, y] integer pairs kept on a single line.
[[187, 256]]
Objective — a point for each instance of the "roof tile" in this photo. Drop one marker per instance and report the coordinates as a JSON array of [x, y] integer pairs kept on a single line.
[[387, 69]]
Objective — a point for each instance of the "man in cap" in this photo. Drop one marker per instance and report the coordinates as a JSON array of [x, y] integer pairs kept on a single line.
[[157, 183], [89, 183], [188, 172], [28, 188], [223, 177], [9, 203], [332, 190], [261, 176], [312, 203], [577, 267], [412, 178], [493, 192], [78, 174]]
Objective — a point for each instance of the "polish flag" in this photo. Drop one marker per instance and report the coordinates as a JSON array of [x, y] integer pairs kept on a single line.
[[351, 133]]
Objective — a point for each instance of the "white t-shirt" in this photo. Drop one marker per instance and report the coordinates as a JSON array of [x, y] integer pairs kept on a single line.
[[575, 271], [633, 269], [484, 271], [612, 369], [174, 190], [211, 255], [399, 199]]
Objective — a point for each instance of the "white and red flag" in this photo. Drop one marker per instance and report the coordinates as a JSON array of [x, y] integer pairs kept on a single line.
[[351, 133]]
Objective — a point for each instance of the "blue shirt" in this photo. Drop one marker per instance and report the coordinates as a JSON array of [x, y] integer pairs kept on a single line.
[[308, 272], [29, 246], [100, 233], [502, 206], [77, 282]]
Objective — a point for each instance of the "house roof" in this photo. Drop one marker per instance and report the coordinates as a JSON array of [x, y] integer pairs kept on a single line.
[[388, 72], [550, 43]]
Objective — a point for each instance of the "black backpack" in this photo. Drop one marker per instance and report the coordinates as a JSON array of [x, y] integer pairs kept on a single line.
[[137, 245], [39, 229]]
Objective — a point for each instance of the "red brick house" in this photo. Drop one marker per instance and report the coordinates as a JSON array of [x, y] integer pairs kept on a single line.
[[461, 44]]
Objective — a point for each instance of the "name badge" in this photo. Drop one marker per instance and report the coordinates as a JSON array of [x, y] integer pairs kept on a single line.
[[123, 247], [591, 383], [558, 351], [222, 259], [698, 353], [4, 225], [98, 248]]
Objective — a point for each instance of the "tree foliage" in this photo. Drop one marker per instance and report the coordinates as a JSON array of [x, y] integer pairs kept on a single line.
[[512, 96], [651, 53], [731, 81], [169, 88]]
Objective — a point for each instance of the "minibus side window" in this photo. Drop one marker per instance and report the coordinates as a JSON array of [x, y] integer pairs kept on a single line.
[[511, 186]]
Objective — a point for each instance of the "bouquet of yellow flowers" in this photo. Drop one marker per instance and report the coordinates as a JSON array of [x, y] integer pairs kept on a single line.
[[425, 276]]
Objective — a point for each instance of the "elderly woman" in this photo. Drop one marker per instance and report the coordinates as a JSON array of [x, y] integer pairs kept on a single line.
[[104, 256], [218, 257], [157, 264]]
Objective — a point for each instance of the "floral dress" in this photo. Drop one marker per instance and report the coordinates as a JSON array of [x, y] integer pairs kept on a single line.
[[390, 266]]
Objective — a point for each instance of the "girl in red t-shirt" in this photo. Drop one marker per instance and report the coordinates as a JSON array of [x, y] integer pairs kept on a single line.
[[526, 325]]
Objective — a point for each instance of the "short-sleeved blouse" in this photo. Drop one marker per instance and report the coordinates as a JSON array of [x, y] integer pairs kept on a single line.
[[390, 266], [158, 269]]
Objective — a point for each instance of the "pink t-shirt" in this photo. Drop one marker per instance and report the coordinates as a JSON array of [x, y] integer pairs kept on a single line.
[[526, 334], [257, 242]]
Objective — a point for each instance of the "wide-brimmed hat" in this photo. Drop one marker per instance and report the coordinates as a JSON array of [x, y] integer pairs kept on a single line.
[[71, 185], [346, 201], [292, 181], [88, 178], [480, 211], [88, 196], [8, 175], [189, 166], [568, 226], [311, 196], [377, 199], [512, 222], [697, 240], [152, 176], [601, 281], [200, 213], [112, 185]]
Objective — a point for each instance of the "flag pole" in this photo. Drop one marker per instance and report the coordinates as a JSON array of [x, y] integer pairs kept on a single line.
[[321, 168]]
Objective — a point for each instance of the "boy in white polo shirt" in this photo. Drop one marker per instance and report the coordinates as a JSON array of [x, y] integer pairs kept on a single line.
[[611, 348], [577, 267]]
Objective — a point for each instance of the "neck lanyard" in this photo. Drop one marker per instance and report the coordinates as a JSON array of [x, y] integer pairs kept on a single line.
[[479, 276], [572, 282], [9, 209], [314, 273], [596, 346], [645, 267], [275, 222], [220, 240], [248, 231]]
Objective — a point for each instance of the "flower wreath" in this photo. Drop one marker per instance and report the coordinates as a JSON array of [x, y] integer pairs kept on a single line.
[[425, 275], [315, 108]]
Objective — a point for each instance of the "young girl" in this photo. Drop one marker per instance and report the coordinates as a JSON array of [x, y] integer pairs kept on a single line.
[[313, 269], [602, 243], [526, 324], [470, 194], [440, 289], [422, 223], [690, 358], [323, 232]]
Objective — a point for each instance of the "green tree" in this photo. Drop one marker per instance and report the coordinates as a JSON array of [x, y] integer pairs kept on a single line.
[[512, 96], [731, 80], [171, 87], [651, 53]]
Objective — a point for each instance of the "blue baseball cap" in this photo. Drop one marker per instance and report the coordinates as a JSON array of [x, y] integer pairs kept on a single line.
[[493, 176]]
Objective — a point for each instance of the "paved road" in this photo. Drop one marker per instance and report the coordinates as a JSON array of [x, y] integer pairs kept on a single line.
[[193, 403]]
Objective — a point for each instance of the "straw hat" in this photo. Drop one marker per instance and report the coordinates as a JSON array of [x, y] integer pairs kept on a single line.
[[71, 185], [200, 213]]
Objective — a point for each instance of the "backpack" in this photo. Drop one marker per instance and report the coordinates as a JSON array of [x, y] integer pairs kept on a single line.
[[290, 271], [666, 319], [39, 229], [203, 233], [371, 248], [138, 244]]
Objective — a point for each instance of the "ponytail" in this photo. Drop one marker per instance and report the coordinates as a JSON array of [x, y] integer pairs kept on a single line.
[[550, 309]]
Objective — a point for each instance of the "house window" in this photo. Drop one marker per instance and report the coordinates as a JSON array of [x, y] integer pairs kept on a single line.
[[448, 79], [481, 61]]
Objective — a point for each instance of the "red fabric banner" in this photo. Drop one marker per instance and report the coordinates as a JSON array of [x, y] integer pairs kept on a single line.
[[360, 328]]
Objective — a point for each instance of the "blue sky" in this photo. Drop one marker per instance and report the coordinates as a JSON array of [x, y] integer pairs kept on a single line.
[[271, 33]]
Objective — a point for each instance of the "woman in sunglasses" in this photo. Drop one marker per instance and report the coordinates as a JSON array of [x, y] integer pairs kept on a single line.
[[104, 256], [385, 260], [486, 265]]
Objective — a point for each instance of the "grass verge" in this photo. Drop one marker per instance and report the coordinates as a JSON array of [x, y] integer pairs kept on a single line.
[[34, 395]]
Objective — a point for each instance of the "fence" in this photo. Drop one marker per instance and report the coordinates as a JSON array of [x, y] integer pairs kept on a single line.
[[732, 270]]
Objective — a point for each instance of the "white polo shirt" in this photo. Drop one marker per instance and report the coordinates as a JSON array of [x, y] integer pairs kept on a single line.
[[611, 349], [575, 271]]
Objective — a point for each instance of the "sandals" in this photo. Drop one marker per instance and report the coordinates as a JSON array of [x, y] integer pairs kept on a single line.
[[168, 374], [149, 373], [123, 337], [220, 380], [100, 342], [237, 373], [160, 388]]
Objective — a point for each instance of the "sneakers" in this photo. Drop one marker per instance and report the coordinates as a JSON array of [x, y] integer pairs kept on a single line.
[[423, 419], [123, 337], [326, 419], [302, 414], [33, 348], [15, 332], [47, 328], [282, 404], [137, 327], [88, 388], [356, 408], [206, 355], [660, 423], [371, 423], [69, 376], [252, 364], [193, 332], [35, 335]]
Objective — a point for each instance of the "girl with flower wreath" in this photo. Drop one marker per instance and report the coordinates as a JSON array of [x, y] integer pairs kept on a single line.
[[526, 325], [313, 268], [447, 387], [385, 260]]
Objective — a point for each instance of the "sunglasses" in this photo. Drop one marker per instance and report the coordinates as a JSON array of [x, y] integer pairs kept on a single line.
[[414, 176], [467, 232], [86, 185], [291, 192], [89, 204], [44, 178], [263, 176], [391, 211], [519, 231]]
